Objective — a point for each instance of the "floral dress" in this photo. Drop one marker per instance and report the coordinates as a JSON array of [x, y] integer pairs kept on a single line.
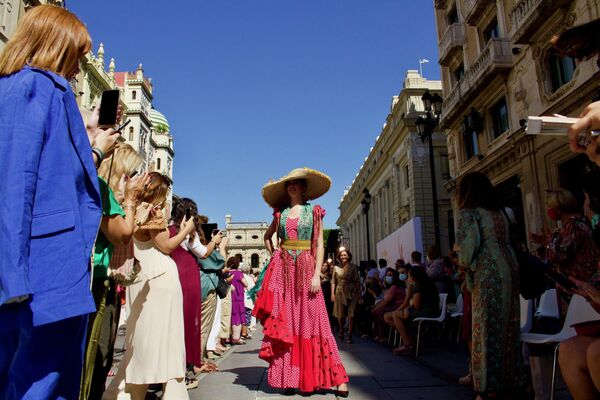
[[492, 278], [298, 343]]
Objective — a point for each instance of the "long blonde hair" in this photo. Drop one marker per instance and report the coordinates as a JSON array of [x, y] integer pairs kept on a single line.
[[48, 37], [125, 160]]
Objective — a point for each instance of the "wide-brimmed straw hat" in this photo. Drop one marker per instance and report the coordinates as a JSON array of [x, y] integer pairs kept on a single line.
[[317, 184]]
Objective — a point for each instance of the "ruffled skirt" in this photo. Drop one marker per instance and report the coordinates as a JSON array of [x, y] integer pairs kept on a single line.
[[298, 343]]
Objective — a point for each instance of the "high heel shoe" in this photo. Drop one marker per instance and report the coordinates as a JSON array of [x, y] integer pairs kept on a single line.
[[341, 393]]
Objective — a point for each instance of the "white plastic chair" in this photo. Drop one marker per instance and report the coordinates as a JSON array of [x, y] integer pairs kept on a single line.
[[579, 311], [526, 314], [458, 313], [440, 319], [548, 305]]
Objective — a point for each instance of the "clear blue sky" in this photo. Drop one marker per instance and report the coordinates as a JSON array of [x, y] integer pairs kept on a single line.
[[255, 88]]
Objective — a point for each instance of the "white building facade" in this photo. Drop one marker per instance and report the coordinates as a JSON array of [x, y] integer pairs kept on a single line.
[[397, 175], [246, 240]]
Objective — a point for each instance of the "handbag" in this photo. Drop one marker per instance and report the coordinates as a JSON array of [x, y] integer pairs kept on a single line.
[[222, 287]]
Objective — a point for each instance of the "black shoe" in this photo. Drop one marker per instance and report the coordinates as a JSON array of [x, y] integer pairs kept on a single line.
[[341, 393]]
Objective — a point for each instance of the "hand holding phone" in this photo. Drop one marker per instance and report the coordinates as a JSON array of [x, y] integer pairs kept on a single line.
[[188, 213]]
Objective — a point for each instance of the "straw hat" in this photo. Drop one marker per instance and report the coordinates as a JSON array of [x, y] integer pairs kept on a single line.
[[317, 184]]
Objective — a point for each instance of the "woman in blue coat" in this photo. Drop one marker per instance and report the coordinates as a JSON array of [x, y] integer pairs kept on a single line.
[[50, 207]]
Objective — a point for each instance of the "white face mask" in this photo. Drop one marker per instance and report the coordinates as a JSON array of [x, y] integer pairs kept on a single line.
[[403, 277]]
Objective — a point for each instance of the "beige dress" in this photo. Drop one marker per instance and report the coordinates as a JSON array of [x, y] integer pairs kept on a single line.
[[347, 291], [154, 345]]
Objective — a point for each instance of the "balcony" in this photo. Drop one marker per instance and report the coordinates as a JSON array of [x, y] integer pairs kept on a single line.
[[474, 9], [453, 39], [495, 58], [529, 15]]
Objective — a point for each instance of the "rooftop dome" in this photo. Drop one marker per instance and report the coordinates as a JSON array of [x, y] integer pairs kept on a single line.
[[158, 118]]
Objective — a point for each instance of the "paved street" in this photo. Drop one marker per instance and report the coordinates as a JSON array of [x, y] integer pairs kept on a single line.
[[375, 373]]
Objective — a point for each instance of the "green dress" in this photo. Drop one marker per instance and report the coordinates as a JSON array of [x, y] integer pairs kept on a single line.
[[492, 277]]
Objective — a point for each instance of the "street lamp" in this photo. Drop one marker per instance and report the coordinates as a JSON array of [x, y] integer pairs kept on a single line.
[[366, 203], [425, 127]]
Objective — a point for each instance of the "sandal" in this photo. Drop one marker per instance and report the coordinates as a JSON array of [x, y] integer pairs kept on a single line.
[[191, 383], [404, 349], [238, 342], [208, 367]]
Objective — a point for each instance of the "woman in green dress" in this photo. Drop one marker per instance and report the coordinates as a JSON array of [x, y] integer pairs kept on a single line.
[[491, 273]]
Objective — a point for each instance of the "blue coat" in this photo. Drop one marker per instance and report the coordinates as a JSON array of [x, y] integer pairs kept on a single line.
[[50, 205]]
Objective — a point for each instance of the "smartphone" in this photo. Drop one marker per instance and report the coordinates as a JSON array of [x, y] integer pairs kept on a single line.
[[188, 214], [215, 231], [560, 279], [109, 104], [207, 229]]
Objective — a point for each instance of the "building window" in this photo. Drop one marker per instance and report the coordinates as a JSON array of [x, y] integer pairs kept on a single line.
[[406, 177], [445, 167], [499, 113], [452, 16], [491, 31], [131, 133], [561, 69], [458, 73], [254, 260], [158, 164], [133, 95], [471, 144]]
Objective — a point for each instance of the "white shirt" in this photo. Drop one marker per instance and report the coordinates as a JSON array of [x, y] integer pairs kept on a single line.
[[194, 246]]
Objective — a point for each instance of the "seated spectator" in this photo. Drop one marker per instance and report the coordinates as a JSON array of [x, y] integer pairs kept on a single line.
[[372, 271], [435, 267], [400, 264], [382, 269], [422, 300], [571, 248], [416, 258], [393, 298], [579, 356]]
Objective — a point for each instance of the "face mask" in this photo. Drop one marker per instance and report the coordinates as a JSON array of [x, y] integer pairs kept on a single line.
[[389, 280], [553, 214], [403, 277]]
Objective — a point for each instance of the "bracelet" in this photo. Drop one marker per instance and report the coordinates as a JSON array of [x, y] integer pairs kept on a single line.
[[99, 153]]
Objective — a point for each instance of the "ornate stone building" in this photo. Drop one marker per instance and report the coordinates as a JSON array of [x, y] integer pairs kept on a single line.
[[498, 68], [11, 12], [246, 239], [397, 175]]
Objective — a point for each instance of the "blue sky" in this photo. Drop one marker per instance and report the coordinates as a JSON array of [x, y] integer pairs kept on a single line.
[[255, 88]]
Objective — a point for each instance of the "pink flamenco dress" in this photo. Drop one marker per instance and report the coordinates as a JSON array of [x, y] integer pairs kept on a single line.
[[298, 343]]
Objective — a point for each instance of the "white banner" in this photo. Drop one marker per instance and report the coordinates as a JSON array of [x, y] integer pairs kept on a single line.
[[401, 242]]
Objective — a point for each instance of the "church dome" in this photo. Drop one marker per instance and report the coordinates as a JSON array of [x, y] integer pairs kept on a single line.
[[158, 118]]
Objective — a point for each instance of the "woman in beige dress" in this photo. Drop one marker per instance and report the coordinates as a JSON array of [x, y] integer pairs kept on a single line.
[[155, 347], [345, 289]]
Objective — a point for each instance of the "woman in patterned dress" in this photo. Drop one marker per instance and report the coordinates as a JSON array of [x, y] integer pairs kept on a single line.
[[298, 343], [491, 273]]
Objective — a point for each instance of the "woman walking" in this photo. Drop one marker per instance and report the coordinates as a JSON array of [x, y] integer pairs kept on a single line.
[[345, 292], [238, 310], [298, 343], [491, 273]]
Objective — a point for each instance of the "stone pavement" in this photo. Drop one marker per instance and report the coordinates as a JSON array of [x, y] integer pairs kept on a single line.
[[375, 373]]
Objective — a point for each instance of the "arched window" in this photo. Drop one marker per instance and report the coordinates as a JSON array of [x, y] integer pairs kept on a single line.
[[131, 133], [158, 163], [254, 260], [133, 95]]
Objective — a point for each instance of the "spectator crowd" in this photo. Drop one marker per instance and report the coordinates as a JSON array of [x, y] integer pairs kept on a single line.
[[72, 191]]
